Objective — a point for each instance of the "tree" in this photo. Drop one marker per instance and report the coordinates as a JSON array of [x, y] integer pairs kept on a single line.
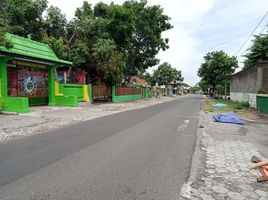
[[3, 41], [109, 61], [216, 68], [146, 40], [23, 17], [86, 31], [55, 22], [3, 16], [195, 88], [136, 29], [130, 34], [147, 77], [258, 51], [166, 75], [58, 46], [204, 85]]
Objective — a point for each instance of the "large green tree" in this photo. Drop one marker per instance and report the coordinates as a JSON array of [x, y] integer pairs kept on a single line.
[[204, 85], [195, 88], [167, 75], [58, 45], [258, 50], [218, 66], [55, 22], [23, 17], [109, 62], [137, 31], [146, 40], [131, 33], [87, 30], [3, 16]]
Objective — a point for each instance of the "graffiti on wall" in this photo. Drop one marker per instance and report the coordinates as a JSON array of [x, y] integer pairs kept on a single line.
[[74, 76], [28, 83]]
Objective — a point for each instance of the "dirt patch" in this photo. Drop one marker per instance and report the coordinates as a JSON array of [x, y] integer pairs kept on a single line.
[[241, 110]]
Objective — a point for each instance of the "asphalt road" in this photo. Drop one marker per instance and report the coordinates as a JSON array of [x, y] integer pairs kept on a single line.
[[137, 155]]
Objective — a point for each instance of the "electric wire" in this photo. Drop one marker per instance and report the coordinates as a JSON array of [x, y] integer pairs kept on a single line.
[[244, 43]]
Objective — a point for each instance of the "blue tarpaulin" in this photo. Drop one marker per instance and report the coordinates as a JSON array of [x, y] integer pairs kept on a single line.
[[220, 105], [228, 117]]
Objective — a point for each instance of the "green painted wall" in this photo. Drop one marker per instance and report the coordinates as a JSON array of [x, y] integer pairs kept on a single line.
[[51, 86], [14, 104], [38, 101], [262, 103], [54, 100], [150, 94], [90, 93], [75, 90], [126, 98], [147, 93], [10, 104], [3, 77], [66, 101]]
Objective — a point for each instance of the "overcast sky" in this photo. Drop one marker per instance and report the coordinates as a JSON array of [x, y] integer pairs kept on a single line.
[[199, 26]]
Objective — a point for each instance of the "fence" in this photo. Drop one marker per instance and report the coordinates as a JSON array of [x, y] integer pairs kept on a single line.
[[101, 92], [121, 94], [127, 91]]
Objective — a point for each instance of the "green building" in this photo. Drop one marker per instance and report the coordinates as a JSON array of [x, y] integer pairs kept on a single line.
[[28, 77]]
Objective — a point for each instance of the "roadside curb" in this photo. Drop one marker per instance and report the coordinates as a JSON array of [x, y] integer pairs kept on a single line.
[[196, 164]]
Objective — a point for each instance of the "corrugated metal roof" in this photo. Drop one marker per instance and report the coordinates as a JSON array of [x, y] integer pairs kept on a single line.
[[30, 48]]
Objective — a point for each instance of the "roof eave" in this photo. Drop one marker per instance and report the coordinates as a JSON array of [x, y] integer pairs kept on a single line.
[[34, 59]]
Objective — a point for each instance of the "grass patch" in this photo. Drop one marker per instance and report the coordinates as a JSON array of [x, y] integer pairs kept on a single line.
[[207, 105]]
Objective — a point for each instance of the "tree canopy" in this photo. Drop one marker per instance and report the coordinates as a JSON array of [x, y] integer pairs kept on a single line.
[[130, 34], [167, 75], [109, 61], [23, 17], [216, 68], [258, 50]]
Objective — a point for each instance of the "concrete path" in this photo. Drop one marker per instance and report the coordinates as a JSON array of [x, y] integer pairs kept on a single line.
[[139, 154], [223, 155]]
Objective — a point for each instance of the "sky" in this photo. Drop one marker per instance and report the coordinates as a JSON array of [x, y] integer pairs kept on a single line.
[[200, 26]]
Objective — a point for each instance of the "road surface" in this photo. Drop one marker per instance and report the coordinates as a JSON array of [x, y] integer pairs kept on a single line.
[[137, 155]]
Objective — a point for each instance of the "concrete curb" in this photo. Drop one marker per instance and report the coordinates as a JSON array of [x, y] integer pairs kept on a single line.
[[197, 163]]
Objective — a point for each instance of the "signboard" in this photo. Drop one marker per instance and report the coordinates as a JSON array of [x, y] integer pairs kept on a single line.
[[28, 64]]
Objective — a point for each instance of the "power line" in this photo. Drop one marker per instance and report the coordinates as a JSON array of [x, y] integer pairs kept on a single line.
[[218, 45], [263, 29], [234, 38], [252, 33]]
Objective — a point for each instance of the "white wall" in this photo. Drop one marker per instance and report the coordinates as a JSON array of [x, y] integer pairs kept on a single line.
[[244, 97]]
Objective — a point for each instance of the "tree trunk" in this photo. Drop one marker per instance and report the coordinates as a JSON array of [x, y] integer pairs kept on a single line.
[[106, 91], [225, 90]]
